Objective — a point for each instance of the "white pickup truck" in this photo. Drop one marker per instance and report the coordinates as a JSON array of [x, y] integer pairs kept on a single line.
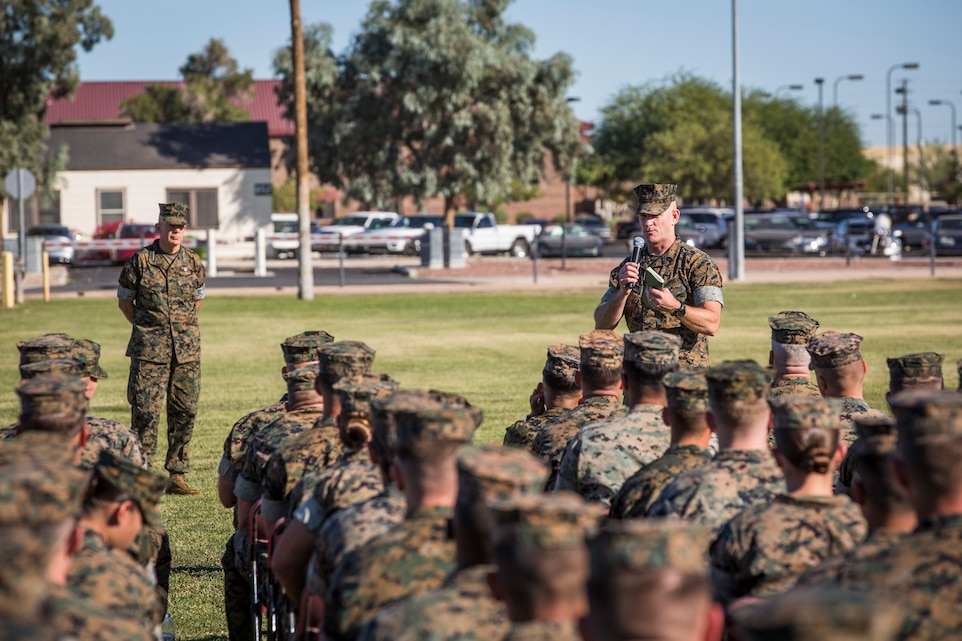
[[483, 235], [327, 237]]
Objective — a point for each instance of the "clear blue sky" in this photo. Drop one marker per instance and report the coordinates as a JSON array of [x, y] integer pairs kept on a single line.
[[614, 43]]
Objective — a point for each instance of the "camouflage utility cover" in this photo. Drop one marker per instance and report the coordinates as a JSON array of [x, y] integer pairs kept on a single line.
[[834, 349], [654, 199], [792, 328]]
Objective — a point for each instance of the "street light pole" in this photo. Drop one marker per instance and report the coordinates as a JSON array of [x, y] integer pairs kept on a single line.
[[891, 135], [821, 146], [904, 90], [854, 76], [736, 236], [789, 88]]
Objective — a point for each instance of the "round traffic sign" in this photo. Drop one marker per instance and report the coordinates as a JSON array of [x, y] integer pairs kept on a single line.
[[18, 180]]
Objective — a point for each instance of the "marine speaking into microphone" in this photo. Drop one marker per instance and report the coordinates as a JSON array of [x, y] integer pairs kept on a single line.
[[690, 302]]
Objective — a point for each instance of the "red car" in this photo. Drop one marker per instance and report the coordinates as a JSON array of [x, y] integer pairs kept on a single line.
[[146, 232]]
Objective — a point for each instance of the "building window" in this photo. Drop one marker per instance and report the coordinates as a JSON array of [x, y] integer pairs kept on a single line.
[[202, 203], [110, 206]]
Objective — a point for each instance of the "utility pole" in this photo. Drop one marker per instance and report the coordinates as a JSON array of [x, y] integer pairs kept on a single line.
[[905, 140], [305, 280], [821, 146]]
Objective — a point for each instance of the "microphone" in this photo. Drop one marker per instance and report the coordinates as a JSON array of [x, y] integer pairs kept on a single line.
[[636, 246]]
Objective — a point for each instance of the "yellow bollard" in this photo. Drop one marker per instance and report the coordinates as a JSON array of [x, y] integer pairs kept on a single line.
[[45, 267], [8, 286]]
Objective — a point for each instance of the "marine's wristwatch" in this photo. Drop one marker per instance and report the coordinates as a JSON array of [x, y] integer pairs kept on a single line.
[[680, 311]]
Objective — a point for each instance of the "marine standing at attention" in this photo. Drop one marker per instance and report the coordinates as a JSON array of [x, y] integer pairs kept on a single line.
[[690, 302], [160, 292]]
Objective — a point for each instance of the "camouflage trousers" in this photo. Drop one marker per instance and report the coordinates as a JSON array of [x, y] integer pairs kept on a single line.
[[146, 387], [238, 605]]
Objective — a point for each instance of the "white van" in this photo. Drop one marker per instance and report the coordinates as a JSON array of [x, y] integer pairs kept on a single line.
[[282, 240]]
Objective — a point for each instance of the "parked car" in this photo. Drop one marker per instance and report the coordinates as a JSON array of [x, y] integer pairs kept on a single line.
[[712, 222], [483, 235], [403, 236], [859, 231], [351, 224], [948, 234], [574, 239], [61, 249], [626, 228], [145, 232], [597, 226], [913, 233], [689, 232], [784, 233]]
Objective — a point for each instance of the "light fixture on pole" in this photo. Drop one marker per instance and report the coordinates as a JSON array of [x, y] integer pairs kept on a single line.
[[821, 146], [854, 76], [788, 88], [950, 105], [890, 136]]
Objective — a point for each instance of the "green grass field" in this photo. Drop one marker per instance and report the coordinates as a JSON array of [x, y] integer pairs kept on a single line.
[[489, 347]]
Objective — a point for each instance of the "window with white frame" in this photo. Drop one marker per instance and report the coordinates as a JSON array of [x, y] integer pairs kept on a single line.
[[111, 205]]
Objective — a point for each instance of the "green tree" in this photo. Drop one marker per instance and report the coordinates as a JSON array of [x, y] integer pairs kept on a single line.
[[38, 42], [212, 79], [680, 130], [436, 97]]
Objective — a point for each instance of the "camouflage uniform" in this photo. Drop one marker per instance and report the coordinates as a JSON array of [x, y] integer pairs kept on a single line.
[[77, 618], [37, 498], [794, 386], [922, 370], [337, 488], [105, 434], [269, 439], [417, 554], [347, 530], [560, 365], [164, 347], [601, 456], [830, 350], [413, 557], [308, 457], [464, 608], [299, 351], [713, 493], [632, 564], [831, 569], [921, 571], [638, 493], [537, 528], [763, 550], [820, 614], [553, 438], [792, 328], [523, 433], [109, 577], [544, 631], [689, 274], [315, 448]]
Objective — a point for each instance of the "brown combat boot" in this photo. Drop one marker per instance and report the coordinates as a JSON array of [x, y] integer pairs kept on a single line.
[[177, 484]]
